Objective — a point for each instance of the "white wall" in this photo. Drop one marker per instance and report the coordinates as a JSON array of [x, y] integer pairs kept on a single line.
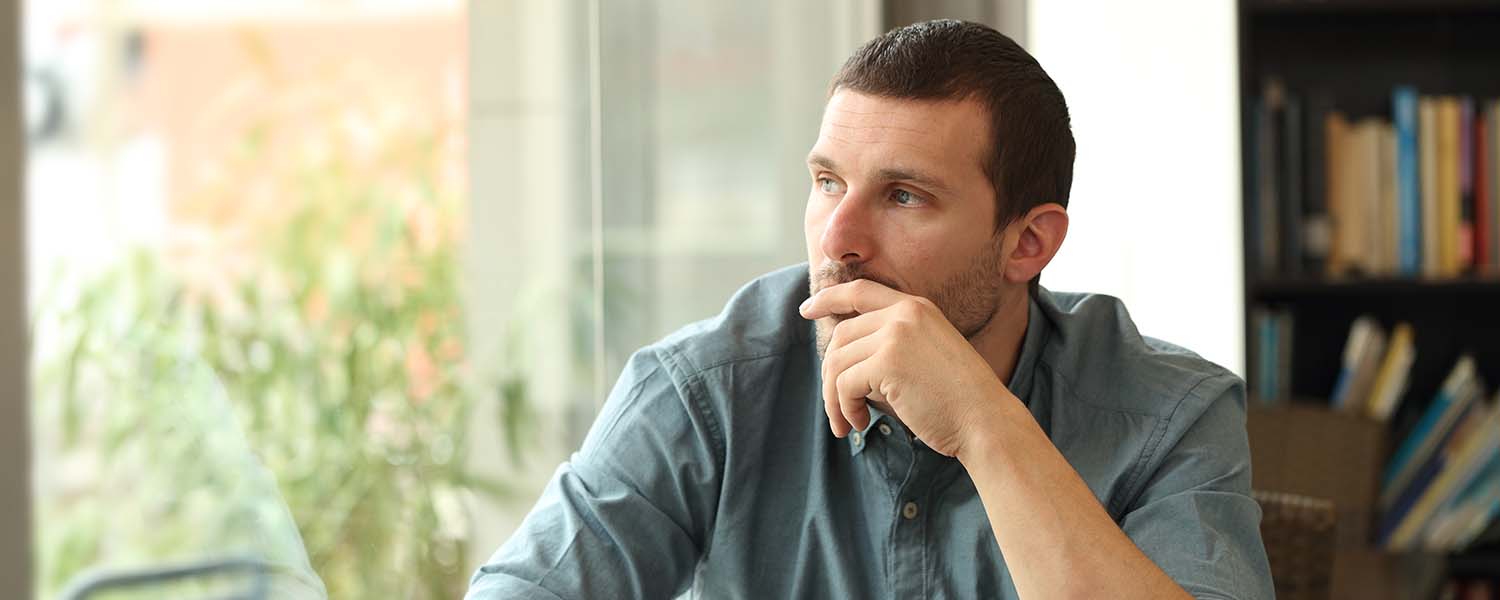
[[1153, 92]]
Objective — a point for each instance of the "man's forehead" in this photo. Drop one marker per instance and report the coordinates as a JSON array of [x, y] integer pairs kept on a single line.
[[921, 130]]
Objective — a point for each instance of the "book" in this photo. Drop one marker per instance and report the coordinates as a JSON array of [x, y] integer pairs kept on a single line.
[[1464, 248], [1268, 200], [1424, 477], [1290, 175], [1483, 219], [1427, 152], [1449, 214], [1362, 353], [1432, 467], [1355, 204], [1463, 517], [1385, 244], [1262, 356], [1391, 380], [1408, 169], [1335, 130], [1283, 363], [1470, 454], [1431, 430], [1270, 364], [1315, 221], [1493, 167]]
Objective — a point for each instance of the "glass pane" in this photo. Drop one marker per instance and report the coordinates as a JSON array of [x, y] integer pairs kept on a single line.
[[599, 233], [250, 361]]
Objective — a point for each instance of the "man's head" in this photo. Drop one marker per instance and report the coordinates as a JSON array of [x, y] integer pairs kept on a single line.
[[942, 169]]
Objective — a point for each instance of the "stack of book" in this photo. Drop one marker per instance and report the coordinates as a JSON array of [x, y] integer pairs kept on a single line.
[[1413, 195], [1372, 376], [1441, 487]]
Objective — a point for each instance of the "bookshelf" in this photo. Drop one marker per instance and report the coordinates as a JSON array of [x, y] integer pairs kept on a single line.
[[1349, 56]]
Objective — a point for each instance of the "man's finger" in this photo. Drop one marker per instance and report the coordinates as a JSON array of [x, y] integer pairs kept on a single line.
[[834, 364], [856, 385], [855, 328], [855, 297]]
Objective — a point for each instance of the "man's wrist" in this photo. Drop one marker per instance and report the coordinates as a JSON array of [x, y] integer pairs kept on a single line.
[[994, 421]]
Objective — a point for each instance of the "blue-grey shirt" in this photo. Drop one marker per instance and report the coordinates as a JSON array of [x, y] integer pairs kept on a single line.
[[711, 469]]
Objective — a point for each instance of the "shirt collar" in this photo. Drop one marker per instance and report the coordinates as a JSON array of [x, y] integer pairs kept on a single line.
[[1038, 330], [859, 439]]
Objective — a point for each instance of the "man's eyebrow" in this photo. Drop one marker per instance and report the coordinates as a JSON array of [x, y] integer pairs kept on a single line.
[[886, 174], [818, 160], [917, 177]]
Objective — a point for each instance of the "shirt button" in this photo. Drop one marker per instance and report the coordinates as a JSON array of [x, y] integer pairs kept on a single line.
[[910, 510], [857, 437], [885, 429]]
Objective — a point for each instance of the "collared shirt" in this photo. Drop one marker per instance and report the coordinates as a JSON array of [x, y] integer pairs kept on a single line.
[[711, 469]]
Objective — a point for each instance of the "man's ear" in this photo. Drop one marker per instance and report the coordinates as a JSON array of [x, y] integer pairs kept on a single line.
[[1038, 235]]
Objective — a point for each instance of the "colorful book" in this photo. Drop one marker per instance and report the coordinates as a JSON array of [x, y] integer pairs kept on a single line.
[[1431, 430], [1449, 212], [1427, 150], [1483, 219], [1472, 454], [1465, 134], [1408, 184], [1398, 510], [1461, 519], [1361, 361], [1391, 380]]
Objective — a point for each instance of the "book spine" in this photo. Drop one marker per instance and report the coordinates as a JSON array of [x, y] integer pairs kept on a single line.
[[1482, 219], [1427, 149], [1465, 133], [1493, 167], [1408, 185]]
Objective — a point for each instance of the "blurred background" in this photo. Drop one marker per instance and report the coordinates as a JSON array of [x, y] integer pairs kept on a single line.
[[308, 298]]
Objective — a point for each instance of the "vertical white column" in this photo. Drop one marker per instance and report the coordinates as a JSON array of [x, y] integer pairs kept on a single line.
[[1156, 188]]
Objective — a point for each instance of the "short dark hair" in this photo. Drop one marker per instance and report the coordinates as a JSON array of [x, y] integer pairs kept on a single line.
[[1030, 161]]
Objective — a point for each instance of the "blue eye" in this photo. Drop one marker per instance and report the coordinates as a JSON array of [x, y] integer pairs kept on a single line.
[[828, 186], [905, 198]]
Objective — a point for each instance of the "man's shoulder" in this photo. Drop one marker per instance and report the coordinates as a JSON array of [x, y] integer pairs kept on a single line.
[[1106, 362], [760, 321]]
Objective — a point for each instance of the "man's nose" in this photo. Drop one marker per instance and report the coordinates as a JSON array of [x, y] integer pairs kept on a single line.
[[848, 235]]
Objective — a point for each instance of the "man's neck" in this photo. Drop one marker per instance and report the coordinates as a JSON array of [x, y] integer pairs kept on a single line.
[[1000, 340]]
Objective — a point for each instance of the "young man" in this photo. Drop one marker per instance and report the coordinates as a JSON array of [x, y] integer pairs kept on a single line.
[[910, 415]]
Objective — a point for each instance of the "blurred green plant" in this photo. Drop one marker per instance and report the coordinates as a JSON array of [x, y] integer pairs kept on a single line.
[[303, 333]]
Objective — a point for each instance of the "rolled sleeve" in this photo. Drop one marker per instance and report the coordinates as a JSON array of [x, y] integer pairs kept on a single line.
[[627, 516], [1195, 518]]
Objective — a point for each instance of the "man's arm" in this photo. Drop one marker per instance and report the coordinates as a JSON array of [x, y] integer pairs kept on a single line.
[[627, 516], [1194, 529], [1058, 541]]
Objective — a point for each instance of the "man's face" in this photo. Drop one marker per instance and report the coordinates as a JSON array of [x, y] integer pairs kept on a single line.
[[899, 197]]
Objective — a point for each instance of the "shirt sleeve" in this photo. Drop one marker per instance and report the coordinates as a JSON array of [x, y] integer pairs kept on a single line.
[[1195, 518], [628, 515]]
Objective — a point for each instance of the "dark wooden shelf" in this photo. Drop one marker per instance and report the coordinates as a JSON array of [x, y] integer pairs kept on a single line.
[[1350, 55], [1299, 287], [1477, 565], [1369, 7]]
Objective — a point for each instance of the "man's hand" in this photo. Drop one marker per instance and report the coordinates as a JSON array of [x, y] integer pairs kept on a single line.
[[901, 353]]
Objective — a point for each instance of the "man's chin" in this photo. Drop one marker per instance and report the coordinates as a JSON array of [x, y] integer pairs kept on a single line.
[[824, 328]]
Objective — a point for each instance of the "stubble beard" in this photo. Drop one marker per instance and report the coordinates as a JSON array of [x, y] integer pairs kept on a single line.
[[968, 299]]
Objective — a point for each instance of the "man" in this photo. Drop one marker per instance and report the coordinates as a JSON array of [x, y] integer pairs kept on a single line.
[[944, 427]]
